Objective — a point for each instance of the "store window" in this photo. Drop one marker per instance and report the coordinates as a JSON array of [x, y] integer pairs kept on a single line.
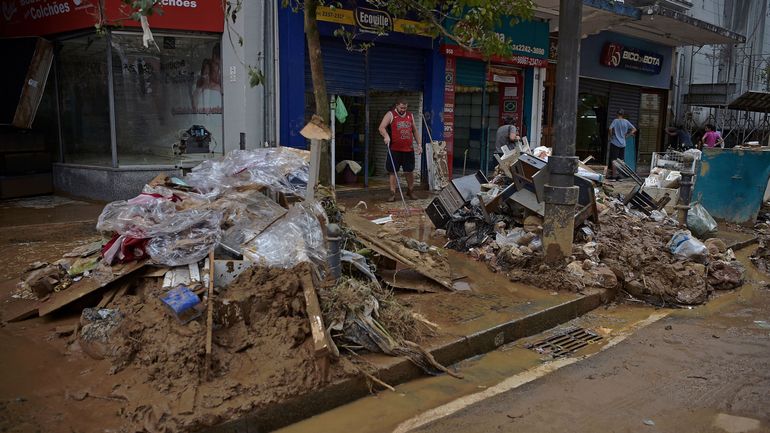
[[83, 97], [168, 100]]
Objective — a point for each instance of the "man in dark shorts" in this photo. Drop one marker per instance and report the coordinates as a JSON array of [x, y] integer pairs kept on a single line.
[[619, 129], [399, 131]]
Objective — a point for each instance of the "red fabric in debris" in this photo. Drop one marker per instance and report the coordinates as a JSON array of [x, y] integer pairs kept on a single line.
[[130, 249]]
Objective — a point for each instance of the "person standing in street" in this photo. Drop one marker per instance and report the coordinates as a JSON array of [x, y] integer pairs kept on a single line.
[[399, 131], [684, 141], [619, 129], [711, 137]]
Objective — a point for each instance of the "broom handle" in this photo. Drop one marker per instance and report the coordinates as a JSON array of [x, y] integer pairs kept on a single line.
[[427, 128]]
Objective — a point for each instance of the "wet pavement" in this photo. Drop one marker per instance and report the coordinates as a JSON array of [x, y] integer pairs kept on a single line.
[[699, 370]]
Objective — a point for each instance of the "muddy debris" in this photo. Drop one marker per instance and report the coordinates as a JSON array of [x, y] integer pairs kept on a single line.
[[269, 314]]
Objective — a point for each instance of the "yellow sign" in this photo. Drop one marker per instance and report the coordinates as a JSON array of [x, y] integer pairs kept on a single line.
[[370, 20], [335, 15]]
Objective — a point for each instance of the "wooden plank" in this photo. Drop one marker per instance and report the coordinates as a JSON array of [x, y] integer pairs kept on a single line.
[[19, 309], [430, 265], [34, 84], [210, 315], [85, 287], [321, 343], [408, 279]]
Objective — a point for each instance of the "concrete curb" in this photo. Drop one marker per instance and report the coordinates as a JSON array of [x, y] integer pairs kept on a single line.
[[401, 370]]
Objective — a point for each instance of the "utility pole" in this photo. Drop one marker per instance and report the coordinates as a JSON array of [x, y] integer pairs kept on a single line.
[[560, 191]]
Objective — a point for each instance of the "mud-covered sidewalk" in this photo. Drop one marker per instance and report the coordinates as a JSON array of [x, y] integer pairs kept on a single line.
[[51, 383]]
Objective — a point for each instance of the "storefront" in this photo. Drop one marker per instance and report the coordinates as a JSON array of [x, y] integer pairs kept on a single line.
[[369, 73], [480, 94], [621, 72], [124, 111]]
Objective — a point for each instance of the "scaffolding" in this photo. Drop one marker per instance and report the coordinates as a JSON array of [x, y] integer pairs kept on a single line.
[[738, 98]]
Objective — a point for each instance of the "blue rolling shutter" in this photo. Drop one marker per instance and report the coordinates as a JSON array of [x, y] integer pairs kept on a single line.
[[344, 70], [393, 68], [470, 72]]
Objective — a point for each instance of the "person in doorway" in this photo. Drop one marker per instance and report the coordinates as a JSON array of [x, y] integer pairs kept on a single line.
[[684, 140], [399, 131], [619, 129], [507, 135], [711, 137]]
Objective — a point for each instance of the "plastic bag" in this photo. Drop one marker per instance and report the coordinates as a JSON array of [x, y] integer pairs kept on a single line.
[[188, 245], [683, 244], [671, 180], [293, 239], [700, 221], [696, 153], [517, 236]]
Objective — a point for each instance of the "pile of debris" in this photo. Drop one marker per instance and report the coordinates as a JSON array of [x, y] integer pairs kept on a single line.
[[624, 243], [227, 290]]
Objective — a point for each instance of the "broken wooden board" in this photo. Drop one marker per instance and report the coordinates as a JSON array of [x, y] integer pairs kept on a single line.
[[85, 287], [323, 345], [210, 315], [408, 279], [226, 271], [430, 264], [321, 342], [15, 310]]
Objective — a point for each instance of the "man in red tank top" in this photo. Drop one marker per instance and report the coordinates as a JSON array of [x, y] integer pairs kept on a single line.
[[399, 131]]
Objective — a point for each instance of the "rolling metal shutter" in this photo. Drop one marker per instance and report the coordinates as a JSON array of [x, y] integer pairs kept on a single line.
[[394, 68], [620, 96], [625, 97], [470, 72], [344, 70]]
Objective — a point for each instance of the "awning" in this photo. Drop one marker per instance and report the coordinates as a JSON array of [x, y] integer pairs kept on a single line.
[[752, 101], [598, 15], [669, 27], [653, 23]]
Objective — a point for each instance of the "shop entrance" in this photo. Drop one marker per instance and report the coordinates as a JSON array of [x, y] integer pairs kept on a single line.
[[591, 138]]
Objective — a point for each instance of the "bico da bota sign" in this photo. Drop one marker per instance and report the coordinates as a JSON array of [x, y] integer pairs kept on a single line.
[[615, 55]]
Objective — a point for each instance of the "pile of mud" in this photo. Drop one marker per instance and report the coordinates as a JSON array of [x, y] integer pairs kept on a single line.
[[262, 354], [628, 253]]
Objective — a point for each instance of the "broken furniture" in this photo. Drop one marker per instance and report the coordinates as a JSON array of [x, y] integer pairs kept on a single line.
[[637, 198], [459, 192], [528, 189]]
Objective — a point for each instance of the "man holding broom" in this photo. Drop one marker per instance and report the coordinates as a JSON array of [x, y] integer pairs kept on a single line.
[[399, 130]]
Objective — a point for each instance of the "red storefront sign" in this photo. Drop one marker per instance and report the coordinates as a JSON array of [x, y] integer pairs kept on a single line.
[[450, 76], [47, 17], [457, 51]]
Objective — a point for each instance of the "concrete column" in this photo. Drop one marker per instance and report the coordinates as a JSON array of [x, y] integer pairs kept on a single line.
[[243, 105], [560, 192]]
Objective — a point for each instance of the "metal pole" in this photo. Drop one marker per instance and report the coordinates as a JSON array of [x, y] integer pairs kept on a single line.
[[560, 193], [111, 102], [332, 107], [366, 120]]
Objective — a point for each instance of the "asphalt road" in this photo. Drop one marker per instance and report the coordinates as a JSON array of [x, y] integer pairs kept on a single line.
[[705, 370]]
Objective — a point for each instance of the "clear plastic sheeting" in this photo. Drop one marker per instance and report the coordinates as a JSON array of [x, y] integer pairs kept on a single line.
[[295, 238], [188, 245], [277, 168], [146, 216]]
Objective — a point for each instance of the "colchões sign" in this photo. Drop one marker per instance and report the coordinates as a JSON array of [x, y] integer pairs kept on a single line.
[[615, 55]]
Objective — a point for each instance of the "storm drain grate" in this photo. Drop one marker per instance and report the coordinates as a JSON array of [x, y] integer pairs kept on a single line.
[[565, 343]]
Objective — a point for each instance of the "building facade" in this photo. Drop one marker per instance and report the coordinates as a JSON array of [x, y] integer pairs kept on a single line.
[[115, 112], [712, 78]]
